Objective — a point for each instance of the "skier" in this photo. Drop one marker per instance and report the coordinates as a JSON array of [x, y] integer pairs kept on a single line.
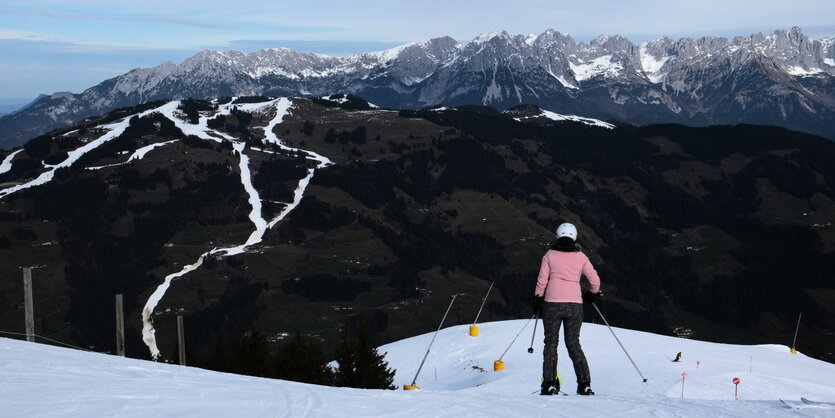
[[557, 299], [678, 357]]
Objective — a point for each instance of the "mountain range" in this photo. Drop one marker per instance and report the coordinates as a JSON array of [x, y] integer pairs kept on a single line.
[[783, 78]]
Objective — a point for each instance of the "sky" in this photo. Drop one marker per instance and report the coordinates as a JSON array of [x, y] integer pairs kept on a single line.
[[57, 45]]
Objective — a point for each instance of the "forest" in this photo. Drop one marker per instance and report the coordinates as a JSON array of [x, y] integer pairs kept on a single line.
[[419, 205]]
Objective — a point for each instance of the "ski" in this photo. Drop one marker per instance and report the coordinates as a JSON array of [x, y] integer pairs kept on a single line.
[[810, 402], [560, 393], [789, 405], [806, 403]]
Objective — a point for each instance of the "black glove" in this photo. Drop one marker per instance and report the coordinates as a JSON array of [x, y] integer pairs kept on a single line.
[[589, 297], [537, 305]]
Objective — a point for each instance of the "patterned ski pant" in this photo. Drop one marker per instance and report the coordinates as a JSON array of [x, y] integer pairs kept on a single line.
[[554, 314]]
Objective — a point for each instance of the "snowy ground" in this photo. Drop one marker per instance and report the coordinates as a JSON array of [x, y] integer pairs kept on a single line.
[[40, 380]]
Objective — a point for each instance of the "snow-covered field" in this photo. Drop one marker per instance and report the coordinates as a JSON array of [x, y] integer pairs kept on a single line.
[[457, 381]]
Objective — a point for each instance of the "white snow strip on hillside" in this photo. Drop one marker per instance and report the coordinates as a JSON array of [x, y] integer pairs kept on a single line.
[[371, 105], [282, 109], [201, 129], [140, 153], [116, 129], [340, 101], [137, 155], [282, 106], [457, 381], [7, 162], [148, 330], [573, 118], [829, 61], [297, 198], [254, 201]]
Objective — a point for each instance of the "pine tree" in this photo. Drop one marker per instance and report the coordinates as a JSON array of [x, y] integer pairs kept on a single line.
[[360, 365], [303, 361], [247, 354]]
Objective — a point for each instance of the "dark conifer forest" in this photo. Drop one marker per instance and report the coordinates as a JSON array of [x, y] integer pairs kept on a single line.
[[720, 233]]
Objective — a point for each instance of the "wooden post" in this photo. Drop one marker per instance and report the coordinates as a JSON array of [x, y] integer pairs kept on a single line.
[[181, 340], [120, 327], [27, 301]]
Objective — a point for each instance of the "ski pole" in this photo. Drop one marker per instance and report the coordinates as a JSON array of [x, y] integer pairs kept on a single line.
[[514, 338], [483, 302], [797, 328], [414, 381], [616, 339], [530, 350]]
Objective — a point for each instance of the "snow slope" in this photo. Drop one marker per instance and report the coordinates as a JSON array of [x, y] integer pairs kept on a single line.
[[41, 380], [573, 118], [6, 165]]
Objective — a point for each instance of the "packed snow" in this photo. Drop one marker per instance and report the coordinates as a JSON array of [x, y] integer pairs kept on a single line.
[[457, 380], [148, 331], [573, 118], [6, 165], [137, 155]]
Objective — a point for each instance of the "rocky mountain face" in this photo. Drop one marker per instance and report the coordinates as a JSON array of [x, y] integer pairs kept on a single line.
[[783, 79]]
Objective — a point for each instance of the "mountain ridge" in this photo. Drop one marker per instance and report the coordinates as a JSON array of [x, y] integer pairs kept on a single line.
[[699, 82]]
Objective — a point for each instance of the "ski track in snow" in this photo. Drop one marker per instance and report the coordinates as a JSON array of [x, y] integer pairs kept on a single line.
[[201, 130], [148, 330], [7, 162], [137, 155], [116, 129]]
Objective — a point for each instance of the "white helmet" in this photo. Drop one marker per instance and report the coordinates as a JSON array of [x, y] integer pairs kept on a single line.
[[567, 230]]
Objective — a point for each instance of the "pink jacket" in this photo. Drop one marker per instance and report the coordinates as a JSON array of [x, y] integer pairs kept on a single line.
[[559, 276]]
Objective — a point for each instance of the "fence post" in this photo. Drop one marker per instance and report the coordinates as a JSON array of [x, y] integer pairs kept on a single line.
[[27, 301], [120, 326], [181, 340]]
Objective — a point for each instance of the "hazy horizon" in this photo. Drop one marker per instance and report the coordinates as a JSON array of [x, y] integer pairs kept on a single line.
[[51, 46]]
